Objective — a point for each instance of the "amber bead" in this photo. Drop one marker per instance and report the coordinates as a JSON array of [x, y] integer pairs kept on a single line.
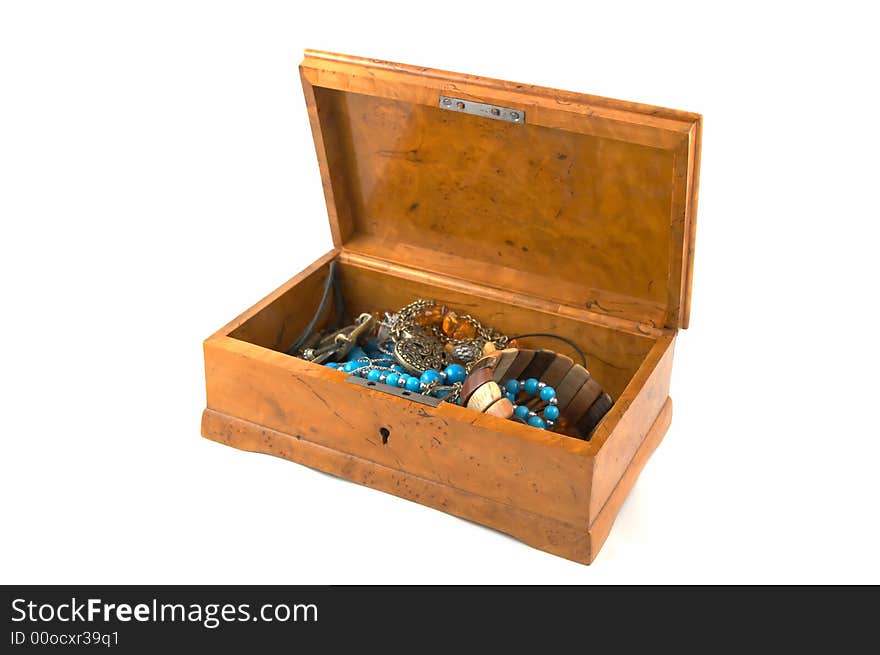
[[465, 329], [430, 316], [450, 323]]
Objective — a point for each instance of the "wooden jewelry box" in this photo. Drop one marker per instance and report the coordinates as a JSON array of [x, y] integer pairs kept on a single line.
[[532, 209]]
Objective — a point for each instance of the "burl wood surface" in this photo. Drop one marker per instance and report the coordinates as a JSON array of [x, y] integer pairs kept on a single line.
[[556, 484], [579, 222], [592, 201], [574, 542]]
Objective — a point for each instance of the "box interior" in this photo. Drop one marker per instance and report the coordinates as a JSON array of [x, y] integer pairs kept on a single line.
[[613, 356]]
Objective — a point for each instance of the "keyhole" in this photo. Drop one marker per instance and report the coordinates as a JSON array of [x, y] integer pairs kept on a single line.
[[385, 432]]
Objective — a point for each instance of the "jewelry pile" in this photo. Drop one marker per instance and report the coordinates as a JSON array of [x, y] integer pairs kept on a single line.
[[427, 348], [424, 348]]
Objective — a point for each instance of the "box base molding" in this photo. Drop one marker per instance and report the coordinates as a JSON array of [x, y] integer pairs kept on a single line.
[[574, 542]]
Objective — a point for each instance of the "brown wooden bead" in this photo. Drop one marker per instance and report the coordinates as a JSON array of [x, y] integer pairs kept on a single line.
[[557, 371], [502, 408], [588, 422], [505, 359], [569, 386], [538, 365], [518, 365], [486, 362], [582, 401], [484, 396], [562, 424], [473, 381]]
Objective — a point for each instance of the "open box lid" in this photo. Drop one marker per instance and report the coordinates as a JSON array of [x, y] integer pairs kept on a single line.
[[575, 199]]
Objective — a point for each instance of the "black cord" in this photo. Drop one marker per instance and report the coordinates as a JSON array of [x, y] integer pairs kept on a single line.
[[338, 301], [328, 285], [555, 336]]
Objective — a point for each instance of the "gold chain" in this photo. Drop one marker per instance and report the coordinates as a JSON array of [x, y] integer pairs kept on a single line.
[[404, 321]]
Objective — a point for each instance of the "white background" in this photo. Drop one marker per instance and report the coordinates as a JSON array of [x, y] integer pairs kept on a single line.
[[157, 177]]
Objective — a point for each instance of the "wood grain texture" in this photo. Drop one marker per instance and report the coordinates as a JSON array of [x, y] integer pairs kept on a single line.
[[590, 201], [279, 318], [695, 143], [579, 223], [606, 117], [600, 526], [626, 425], [534, 470], [579, 543], [614, 357], [614, 317], [329, 151], [537, 472]]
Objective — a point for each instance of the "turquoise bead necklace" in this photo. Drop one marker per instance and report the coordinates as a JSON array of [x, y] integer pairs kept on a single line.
[[374, 363], [535, 392]]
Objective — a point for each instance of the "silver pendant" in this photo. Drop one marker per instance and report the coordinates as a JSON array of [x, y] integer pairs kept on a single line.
[[467, 352], [417, 354]]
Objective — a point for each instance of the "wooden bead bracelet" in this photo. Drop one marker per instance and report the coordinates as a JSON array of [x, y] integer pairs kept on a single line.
[[503, 378]]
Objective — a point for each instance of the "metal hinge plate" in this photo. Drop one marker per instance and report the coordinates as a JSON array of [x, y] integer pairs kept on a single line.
[[494, 112], [394, 391]]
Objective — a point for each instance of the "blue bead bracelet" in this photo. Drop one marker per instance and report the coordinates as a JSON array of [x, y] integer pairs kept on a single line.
[[533, 387]]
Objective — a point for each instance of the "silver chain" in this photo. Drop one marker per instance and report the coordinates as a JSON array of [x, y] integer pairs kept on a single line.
[[404, 321]]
